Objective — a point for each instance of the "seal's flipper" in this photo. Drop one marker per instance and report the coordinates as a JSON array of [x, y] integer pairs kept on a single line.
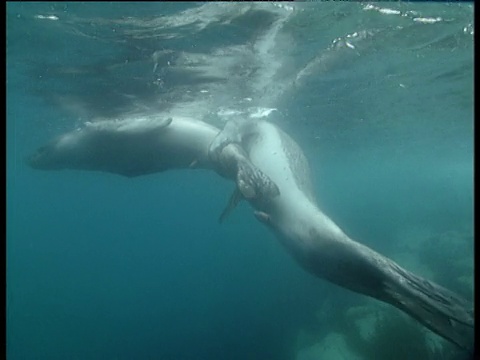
[[434, 306], [232, 162], [235, 198], [253, 183]]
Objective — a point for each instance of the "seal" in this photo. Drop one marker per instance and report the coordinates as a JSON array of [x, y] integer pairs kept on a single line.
[[322, 248], [137, 146], [273, 175]]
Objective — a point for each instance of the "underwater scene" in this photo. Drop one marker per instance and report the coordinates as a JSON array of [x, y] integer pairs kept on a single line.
[[239, 180]]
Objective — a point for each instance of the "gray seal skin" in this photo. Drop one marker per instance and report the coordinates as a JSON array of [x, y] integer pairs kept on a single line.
[[323, 249], [145, 145]]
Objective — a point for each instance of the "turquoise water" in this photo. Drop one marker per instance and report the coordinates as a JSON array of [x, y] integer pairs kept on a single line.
[[378, 95]]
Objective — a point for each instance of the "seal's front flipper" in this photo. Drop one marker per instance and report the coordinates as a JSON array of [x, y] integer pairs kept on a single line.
[[253, 183], [232, 162], [235, 198]]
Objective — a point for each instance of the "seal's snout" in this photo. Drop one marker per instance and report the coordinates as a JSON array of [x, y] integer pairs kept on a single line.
[[32, 160], [40, 159]]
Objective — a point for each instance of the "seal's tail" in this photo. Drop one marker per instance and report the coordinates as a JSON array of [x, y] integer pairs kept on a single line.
[[434, 306]]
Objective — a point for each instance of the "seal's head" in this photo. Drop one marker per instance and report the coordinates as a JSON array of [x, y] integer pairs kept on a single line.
[[60, 153], [45, 158]]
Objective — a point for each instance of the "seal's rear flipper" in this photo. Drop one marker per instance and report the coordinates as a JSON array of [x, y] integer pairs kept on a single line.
[[434, 306], [357, 267]]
